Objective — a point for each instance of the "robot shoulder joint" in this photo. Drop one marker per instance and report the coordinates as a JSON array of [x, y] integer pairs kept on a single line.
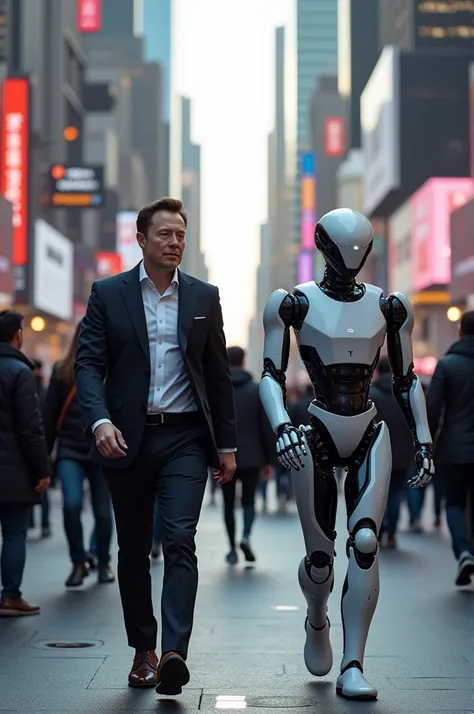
[[400, 311], [279, 310]]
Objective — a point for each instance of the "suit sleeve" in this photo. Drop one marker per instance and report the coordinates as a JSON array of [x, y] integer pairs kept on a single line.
[[435, 399], [91, 361], [218, 380], [29, 426]]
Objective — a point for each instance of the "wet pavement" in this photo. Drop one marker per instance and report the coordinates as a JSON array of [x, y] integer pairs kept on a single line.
[[246, 650]]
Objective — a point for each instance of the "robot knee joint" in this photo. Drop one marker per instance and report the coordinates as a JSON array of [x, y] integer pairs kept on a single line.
[[364, 544], [319, 567], [365, 541]]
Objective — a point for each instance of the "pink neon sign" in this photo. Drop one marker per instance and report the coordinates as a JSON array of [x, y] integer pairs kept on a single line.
[[305, 267], [431, 208]]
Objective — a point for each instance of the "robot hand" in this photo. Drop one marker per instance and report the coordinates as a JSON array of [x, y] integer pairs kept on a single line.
[[290, 447], [425, 468]]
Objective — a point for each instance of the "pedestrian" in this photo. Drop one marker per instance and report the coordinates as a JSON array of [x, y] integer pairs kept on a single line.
[[25, 469], [403, 450], [154, 385], [256, 446], [63, 427], [449, 401], [45, 505]]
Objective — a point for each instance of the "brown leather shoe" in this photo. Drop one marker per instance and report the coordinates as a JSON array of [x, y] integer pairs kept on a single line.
[[17, 607], [173, 674], [144, 672]]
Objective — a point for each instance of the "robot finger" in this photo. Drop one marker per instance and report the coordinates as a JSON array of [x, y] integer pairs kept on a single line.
[[300, 453], [285, 438], [293, 459]]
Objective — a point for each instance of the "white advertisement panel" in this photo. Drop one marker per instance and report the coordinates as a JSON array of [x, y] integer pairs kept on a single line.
[[400, 250], [53, 271], [127, 246], [380, 126]]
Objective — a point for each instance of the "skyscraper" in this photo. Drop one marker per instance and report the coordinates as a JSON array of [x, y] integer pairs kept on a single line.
[[311, 49], [157, 37], [190, 194]]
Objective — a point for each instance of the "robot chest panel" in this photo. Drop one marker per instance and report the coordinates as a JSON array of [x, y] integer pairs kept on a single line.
[[344, 332]]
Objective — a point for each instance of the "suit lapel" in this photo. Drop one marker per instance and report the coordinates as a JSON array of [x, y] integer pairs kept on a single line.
[[186, 308], [132, 295]]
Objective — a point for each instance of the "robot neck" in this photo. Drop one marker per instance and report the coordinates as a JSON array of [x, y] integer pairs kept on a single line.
[[339, 287]]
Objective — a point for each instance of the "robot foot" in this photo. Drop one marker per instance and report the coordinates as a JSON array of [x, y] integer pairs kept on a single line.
[[317, 650], [352, 684]]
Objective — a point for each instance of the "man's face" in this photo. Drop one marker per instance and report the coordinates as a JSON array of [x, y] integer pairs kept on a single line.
[[163, 246], [18, 340]]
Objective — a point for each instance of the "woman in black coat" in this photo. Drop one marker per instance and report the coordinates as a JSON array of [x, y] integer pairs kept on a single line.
[[63, 424]]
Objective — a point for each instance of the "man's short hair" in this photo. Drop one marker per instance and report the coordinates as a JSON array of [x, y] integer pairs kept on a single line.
[[467, 323], [384, 365], [236, 356], [172, 205], [10, 323]]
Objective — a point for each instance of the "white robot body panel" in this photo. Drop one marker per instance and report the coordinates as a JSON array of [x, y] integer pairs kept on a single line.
[[351, 232], [346, 432], [418, 406], [343, 332], [374, 480]]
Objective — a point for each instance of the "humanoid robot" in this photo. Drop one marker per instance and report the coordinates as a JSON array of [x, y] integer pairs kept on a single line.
[[340, 328]]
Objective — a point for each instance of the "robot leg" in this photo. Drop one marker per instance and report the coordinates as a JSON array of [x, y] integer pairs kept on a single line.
[[316, 500], [366, 498]]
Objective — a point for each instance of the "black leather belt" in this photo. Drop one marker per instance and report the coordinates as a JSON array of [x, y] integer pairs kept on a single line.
[[169, 418]]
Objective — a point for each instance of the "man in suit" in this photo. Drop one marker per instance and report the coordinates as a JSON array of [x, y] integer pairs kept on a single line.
[[154, 385]]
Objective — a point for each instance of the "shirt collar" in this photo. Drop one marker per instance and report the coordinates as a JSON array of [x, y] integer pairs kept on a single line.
[[144, 276]]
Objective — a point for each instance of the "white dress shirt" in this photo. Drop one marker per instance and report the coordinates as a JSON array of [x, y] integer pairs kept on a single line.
[[170, 390]]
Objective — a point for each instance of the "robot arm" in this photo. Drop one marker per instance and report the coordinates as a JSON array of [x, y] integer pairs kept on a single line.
[[277, 319], [406, 385]]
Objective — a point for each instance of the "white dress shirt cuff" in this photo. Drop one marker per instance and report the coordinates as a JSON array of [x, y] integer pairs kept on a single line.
[[99, 422], [226, 451]]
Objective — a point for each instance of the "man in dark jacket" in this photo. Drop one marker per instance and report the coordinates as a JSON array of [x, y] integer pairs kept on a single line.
[[254, 438], [401, 442], [24, 462], [450, 398]]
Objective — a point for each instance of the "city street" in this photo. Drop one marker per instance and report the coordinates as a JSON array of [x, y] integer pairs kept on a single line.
[[247, 646]]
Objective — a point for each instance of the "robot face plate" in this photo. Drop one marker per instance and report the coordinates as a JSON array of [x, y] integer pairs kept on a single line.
[[344, 237]]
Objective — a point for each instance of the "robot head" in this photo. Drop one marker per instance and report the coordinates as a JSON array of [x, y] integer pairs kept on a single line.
[[344, 237]]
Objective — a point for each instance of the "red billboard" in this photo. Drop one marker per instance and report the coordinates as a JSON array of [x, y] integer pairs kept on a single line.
[[108, 263], [89, 15], [334, 143], [14, 171]]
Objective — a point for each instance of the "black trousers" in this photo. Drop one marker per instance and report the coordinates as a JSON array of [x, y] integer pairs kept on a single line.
[[249, 479], [172, 464]]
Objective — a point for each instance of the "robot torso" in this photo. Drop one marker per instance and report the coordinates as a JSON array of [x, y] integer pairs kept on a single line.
[[339, 344]]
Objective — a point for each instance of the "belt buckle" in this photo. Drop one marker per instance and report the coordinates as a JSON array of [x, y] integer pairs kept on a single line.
[[162, 417]]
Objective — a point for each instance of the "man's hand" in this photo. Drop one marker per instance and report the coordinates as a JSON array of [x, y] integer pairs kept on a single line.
[[267, 472], [43, 485], [110, 442], [227, 469]]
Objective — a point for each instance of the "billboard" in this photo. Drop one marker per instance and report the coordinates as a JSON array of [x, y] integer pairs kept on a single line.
[[6, 252], [308, 201], [305, 266], [15, 163], [380, 126], [89, 15], [53, 272], [462, 252], [334, 143], [444, 25], [399, 250], [431, 208], [108, 264], [74, 186], [126, 245], [471, 115]]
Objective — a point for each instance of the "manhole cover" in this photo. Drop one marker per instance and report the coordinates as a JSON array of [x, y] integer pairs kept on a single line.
[[279, 702], [66, 645], [69, 645]]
